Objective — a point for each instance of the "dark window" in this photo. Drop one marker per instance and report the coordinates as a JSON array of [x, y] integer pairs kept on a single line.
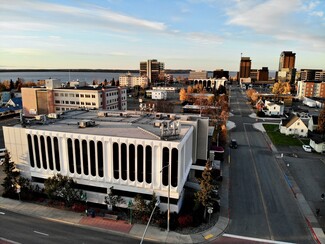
[[30, 150], [85, 156], [174, 173], [124, 161], [43, 152], [70, 156], [38, 161], [140, 163], [115, 160], [50, 153], [77, 152], [131, 162], [57, 154], [148, 164], [165, 167], [92, 158], [100, 158]]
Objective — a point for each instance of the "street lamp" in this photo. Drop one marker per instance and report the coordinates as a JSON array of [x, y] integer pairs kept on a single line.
[[145, 230], [168, 196]]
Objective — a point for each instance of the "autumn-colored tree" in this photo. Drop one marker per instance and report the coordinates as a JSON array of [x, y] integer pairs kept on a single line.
[[189, 90], [281, 88], [205, 194], [182, 95], [40, 83]]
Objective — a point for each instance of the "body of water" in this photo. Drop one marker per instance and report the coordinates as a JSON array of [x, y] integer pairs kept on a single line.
[[63, 76]]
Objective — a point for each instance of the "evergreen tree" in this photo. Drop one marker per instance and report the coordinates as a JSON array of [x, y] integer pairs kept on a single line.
[[10, 181]]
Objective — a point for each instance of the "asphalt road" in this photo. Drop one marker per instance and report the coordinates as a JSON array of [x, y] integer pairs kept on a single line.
[[261, 203], [25, 229]]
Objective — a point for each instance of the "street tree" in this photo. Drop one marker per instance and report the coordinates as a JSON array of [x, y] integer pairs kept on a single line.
[[113, 199], [205, 194], [182, 95], [63, 188], [10, 182]]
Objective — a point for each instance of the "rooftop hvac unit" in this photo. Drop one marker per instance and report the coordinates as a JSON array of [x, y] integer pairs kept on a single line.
[[86, 123], [40, 117], [53, 116]]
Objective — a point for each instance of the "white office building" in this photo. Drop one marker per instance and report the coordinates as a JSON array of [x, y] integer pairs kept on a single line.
[[125, 150]]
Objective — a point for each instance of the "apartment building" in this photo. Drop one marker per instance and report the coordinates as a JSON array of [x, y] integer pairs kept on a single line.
[[132, 152], [309, 74], [129, 80], [311, 89], [53, 98]]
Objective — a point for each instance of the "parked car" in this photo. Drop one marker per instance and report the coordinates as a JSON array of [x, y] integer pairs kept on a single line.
[[233, 144], [307, 148]]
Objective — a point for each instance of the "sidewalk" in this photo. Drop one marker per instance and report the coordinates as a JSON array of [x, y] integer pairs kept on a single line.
[[121, 226]]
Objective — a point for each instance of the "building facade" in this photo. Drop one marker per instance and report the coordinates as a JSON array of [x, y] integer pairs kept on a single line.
[[133, 153], [309, 74], [287, 60], [194, 75], [151, 68], [311, 89], [209, 83], [219, 73], [263, 74], [129, 80], [320, 75], [245, 67], [55, 99]]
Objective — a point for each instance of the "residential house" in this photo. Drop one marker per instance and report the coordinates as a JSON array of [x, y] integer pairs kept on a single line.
[[317, 142], [272, 108], [313, 123], [293, 126]]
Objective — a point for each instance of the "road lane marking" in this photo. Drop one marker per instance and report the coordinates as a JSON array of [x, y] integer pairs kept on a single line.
[[9, 241], [255, 239], [41, 233], [2, 213]]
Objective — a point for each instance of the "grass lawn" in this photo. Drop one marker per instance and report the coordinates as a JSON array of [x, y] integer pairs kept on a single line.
[[279, 139]]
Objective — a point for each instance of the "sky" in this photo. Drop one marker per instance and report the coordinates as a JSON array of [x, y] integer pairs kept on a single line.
[[184, 34]]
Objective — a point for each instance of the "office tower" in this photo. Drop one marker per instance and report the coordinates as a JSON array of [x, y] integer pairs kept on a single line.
[[320, 75], [245, 67], [253, 74], [151, 68], [287, 60], [263, 74]]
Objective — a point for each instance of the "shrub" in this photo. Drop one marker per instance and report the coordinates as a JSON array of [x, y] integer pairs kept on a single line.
[[185, 221]]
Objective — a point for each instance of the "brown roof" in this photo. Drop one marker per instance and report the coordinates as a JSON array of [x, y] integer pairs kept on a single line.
[[289, 121]]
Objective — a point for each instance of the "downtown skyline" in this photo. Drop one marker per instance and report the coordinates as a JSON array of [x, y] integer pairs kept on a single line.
[[189, 34]]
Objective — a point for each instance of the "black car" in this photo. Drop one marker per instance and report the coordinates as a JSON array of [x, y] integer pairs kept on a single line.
[[233, 143]]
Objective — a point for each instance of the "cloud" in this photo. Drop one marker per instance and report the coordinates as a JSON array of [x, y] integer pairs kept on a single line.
[[204, 38], [282, 20]]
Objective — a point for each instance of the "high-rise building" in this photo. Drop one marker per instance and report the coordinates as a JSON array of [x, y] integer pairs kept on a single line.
[[151, 68], [311, 89], [263, 74], [287, 60], [287, 71], [245, 67]]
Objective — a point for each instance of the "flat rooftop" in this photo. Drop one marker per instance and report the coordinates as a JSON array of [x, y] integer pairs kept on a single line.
[[127, 124]]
